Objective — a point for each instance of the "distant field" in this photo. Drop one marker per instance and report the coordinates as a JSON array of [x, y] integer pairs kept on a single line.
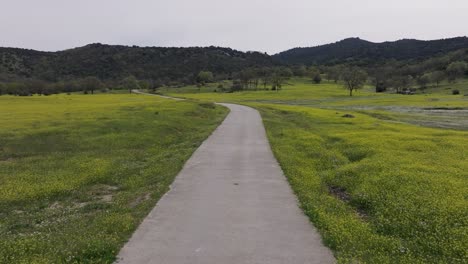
[[436, 109], [387, 186], [79, 172]]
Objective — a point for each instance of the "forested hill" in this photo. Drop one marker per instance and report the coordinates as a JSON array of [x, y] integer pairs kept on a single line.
[[117, 62], [362, 52]]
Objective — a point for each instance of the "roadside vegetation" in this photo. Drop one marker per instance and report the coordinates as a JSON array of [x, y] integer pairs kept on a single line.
[[78, 173], [379, 192], [381, 175]]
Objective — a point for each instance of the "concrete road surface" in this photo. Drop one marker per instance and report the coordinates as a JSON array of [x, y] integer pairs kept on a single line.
[[231, 204]]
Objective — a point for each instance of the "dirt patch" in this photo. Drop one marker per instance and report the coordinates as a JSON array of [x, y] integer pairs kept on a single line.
[[348, 116], [340, 193], [107, 198], [140, 199], [103, 192], [80, 205], [55, 205]]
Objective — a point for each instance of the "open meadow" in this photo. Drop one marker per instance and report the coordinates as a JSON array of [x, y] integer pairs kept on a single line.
[[79, 172], [388, 183]]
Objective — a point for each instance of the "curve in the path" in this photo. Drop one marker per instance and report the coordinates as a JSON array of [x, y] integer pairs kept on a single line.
[[230, 204], [158, 95]]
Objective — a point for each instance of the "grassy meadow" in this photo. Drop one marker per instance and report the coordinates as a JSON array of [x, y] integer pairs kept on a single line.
[[79, 172], [389, 185]]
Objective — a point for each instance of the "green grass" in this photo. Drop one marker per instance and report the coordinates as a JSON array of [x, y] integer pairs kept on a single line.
[[388, 186], [79, 172], [413, 109], [378, 192]]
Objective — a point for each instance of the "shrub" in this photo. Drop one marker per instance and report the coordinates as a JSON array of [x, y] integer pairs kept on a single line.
[[317, 78]]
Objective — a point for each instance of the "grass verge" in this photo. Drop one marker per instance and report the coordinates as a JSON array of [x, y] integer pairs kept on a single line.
[[379, 192], [79, 172]]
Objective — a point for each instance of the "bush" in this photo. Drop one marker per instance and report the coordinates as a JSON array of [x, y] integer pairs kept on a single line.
[[455, 92], [380, 87], [317, 78]]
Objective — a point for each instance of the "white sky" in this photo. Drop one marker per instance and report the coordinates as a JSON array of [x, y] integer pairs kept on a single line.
[[262, 25]]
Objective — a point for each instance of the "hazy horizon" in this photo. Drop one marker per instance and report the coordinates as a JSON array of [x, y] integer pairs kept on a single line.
[[255, 25]]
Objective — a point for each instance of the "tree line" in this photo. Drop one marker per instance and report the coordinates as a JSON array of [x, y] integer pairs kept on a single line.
[[88, 85], [103, 67]]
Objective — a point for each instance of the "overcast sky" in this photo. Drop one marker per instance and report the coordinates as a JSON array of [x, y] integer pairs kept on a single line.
[[262, 25]]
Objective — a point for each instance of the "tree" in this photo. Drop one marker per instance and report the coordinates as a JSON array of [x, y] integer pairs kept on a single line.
[[317, 78], [456, 70], [35, 86], [437, 77], [91, 83], [145, 84], [204, 77], [265, 75], [380, 85], [246, 76], [130, 83], [236, 86], [299, 70], [424, 80], [401, 83], [154, 85], [354, 78], [333, 73], [279, 76]]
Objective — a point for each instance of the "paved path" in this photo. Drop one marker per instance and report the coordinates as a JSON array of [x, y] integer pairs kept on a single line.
[[231, 204], [158, 95]]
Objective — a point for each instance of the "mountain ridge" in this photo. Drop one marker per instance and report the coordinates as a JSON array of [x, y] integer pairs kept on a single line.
[[350, 49]]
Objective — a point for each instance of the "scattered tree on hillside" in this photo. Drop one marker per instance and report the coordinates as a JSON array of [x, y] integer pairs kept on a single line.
[[130, 83], [204, 77], [247, 77], [456, 70], [424, 80], [279, 76], [91, 83], [437, 77], [299, 70], [144, 84], [401, 83], [264, 75], [354, 78], [333, 73]]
